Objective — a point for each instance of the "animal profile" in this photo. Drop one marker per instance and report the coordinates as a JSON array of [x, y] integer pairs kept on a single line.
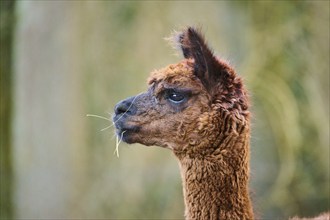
[[199, 109]]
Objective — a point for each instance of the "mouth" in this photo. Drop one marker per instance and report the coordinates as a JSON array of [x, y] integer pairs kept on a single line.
[[127, 133]]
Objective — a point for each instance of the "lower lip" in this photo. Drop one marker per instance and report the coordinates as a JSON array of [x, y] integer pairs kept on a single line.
[[121, 131], [125, 136]]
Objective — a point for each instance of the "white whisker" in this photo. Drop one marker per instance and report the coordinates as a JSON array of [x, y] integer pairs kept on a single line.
[[103, 129], [113, 124], [98, 116], [117, 144]]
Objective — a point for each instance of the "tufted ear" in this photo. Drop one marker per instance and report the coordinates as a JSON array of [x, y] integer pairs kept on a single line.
[[217, 76], [207, 67]]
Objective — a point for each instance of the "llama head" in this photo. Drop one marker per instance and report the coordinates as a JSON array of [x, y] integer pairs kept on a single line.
[[188, 104]]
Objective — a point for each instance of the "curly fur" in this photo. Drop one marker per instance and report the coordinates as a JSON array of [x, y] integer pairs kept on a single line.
[[208, 130], [198, 108]]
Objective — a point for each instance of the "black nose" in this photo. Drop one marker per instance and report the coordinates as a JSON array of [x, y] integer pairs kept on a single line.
[[126, 107]]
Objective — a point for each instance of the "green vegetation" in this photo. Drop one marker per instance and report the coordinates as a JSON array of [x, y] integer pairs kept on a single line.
[[7, 22], [103, 51]]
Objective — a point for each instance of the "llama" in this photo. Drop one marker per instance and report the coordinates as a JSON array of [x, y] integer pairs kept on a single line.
[[198, 108]]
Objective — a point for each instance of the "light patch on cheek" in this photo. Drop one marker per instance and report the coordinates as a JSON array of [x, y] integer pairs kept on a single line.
[[203, 122]]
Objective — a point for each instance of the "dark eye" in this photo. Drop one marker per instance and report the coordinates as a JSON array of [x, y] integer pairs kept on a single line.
[[176, 97]]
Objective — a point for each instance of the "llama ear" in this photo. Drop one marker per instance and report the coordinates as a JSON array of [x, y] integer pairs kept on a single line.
[[193, 46]]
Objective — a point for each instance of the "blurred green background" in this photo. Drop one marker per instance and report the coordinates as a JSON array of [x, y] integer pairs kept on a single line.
[[61, 60]]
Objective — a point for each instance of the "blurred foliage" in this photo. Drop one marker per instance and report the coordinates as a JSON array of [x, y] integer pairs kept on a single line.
[[281, 49], [7, 22], [290, 83]]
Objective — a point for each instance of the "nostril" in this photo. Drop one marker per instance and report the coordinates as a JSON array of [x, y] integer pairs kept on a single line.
[[125, 107], [121, 108]]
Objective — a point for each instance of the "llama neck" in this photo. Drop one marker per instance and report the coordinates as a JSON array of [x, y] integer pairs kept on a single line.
[[215, 185]]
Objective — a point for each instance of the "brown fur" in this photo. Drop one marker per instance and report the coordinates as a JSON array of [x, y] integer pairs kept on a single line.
[[208, 132], [208, 129]]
